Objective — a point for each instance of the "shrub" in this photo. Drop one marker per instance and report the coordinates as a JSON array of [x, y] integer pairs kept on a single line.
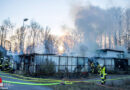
[[47, 68]]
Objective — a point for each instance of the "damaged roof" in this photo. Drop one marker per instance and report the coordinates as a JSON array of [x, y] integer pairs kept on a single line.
[[105, 50], [32, 54]]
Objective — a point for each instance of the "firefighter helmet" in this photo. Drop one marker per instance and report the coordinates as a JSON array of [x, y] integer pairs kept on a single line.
[[101, 65]]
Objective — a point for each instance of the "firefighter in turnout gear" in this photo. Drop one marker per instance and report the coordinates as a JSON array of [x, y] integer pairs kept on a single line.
[[92, 67], [103, 74], [0, 65], [98, 68], [6, 65], [1, 59]]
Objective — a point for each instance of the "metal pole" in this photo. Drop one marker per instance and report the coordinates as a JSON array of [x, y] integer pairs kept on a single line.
[[22, 37]]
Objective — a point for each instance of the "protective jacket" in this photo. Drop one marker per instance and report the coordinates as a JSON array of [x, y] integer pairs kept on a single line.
[[103, 75]]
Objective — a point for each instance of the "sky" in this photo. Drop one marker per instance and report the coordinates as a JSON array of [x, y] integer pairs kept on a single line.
[[52, 13]]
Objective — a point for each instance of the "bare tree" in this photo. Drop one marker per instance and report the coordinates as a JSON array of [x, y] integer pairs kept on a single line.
[[14, 42], [6, 27], [2, 35], [35, 27], [128, 28], [71, 40], [29, 38], [49, 41]]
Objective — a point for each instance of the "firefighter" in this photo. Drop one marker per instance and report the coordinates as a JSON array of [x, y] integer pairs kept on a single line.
[[0, 65], [1, 60], [92, 67], [98, 68], [6, 65], [103, 74]]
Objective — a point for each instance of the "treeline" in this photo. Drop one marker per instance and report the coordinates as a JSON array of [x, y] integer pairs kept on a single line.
[[34, 38]]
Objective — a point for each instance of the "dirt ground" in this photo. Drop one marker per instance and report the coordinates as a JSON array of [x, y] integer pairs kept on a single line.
[[90, 86], [114, 82], [85, 86]]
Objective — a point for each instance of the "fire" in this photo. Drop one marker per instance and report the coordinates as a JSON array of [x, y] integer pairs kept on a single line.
[[60, 49]]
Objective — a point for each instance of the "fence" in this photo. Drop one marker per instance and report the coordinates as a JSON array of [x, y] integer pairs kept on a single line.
[[64, 63]]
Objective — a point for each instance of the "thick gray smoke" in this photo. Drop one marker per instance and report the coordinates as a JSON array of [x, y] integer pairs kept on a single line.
[[93, 22]]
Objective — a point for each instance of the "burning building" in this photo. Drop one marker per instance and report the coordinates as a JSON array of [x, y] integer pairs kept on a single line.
[[31, 62], [113, 59]]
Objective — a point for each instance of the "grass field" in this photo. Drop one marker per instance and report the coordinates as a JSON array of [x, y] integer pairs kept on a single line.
[[88, 86], [121, 84]]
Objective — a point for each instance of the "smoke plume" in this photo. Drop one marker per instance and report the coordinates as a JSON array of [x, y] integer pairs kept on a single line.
[[95, 22]]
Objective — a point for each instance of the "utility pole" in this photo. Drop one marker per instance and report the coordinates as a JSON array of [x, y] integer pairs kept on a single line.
[[22, 37]]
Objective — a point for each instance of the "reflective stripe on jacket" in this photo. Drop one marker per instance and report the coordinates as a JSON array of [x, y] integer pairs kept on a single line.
[[103, 72]]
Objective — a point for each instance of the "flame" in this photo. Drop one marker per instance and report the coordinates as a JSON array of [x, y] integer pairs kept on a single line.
[[61, 49]]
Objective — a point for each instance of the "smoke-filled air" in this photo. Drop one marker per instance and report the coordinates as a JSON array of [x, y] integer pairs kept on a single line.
[[65, 44], [94, 28]]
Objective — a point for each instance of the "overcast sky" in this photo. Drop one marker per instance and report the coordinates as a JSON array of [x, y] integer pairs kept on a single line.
[[53, 13]]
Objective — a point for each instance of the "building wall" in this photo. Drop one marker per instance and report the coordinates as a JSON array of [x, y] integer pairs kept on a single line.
[[111, 54], [62, 62], [114, 54], [128, 56], [108, 62]]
